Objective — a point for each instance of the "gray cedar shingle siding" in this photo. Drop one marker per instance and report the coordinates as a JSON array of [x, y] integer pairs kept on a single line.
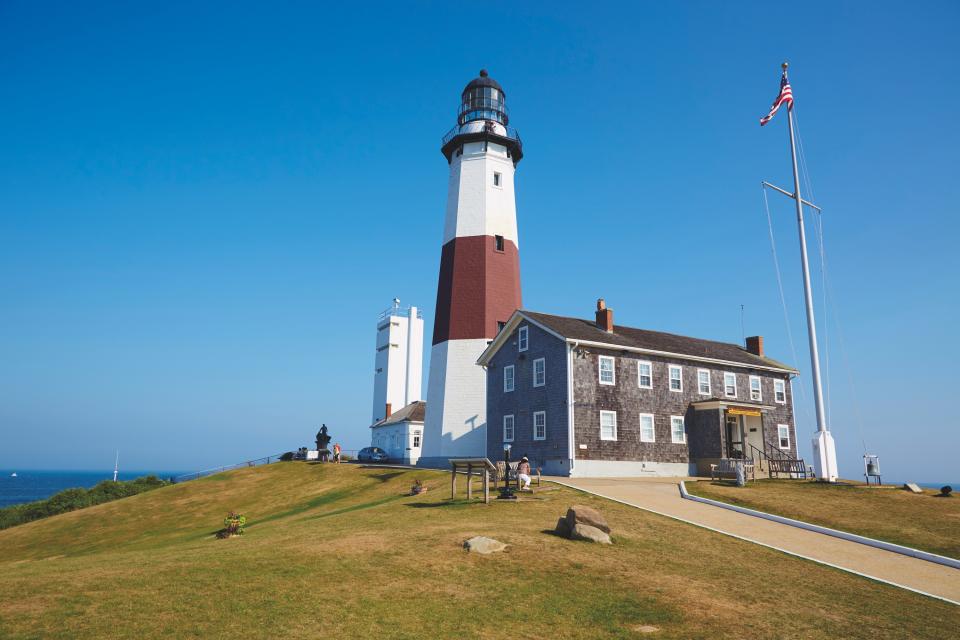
[[705, 428], [525, 399], [704, 432]]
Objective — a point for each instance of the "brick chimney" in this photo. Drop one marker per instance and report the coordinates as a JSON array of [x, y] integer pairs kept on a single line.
[[604, 316], [755, 345], [389, 410]]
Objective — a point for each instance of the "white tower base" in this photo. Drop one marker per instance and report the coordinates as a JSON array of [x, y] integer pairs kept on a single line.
[[825, 457]]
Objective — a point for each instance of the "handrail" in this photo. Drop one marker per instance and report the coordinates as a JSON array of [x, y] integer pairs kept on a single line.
[[511, 133]]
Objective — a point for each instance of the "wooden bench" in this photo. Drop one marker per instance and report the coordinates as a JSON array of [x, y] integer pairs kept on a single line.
[[728, 467]]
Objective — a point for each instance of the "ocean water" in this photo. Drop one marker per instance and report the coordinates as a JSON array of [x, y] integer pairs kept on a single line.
[[38, 485]]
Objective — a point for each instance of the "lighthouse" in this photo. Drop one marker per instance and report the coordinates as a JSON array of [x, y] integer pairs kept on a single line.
[[479, 284]]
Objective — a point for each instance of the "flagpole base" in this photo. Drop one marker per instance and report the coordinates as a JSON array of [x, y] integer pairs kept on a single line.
[[825, 457]]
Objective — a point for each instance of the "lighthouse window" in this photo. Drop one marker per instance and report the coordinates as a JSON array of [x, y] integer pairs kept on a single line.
[[498, 242], [496, 179]]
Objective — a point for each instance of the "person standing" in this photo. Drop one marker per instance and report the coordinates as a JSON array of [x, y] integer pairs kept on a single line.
[[523, 473], [336, 453]]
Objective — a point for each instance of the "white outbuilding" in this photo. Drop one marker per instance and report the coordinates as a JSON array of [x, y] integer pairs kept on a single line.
[[400, 434]]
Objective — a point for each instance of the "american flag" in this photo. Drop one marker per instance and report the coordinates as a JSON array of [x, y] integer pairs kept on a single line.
[[785, 95]]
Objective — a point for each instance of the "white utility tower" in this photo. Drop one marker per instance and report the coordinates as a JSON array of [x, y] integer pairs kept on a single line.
[[398, 374]]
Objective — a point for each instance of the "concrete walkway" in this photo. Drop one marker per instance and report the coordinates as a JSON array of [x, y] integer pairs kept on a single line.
[[662, 495]]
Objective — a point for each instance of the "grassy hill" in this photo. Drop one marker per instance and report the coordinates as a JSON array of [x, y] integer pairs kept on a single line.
[[341, 551], [922, 521]]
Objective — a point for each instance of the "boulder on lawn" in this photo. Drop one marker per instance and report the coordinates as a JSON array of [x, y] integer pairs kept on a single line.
[[579, 514], [912, 487], [483, 545], [563, 527], [589, 534]]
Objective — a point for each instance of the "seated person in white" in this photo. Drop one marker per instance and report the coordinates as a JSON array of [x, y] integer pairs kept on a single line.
[[523, 473]]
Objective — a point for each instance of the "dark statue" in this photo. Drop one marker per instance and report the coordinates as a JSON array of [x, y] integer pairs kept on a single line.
[[323, 440]]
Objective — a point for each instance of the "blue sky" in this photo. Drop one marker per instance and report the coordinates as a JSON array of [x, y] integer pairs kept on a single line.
[[204, 207]]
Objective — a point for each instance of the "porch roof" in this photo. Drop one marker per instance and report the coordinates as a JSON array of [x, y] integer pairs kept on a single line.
[[724, 403]]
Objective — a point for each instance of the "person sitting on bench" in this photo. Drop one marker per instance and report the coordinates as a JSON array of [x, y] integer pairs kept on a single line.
[[523, 473]]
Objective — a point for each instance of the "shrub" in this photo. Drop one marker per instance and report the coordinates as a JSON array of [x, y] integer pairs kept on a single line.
[[73, 499], [946, 490], [232, 525], [287, 457]]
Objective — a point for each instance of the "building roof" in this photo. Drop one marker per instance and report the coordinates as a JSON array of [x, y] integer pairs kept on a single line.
[[483, 80], [580, 330], [413, 412]]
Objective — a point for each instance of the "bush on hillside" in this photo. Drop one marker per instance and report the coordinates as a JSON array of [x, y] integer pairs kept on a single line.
[[232, 525], [73, 499], [287, 457]]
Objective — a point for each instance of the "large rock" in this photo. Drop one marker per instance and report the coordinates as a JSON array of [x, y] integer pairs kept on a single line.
[[563, 527], [483, 545], [911, 487], [579, 514], [589, 534]]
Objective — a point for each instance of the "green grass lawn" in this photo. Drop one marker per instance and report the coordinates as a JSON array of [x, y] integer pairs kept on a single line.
[[920, 521], [341, 551]]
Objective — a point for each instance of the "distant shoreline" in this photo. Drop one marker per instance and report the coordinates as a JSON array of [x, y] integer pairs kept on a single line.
[[31, 485]]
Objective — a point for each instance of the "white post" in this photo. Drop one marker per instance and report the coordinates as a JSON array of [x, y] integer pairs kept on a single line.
[[824, 449]]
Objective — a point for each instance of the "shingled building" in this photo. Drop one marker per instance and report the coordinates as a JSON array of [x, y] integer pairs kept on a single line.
[[590, 398]]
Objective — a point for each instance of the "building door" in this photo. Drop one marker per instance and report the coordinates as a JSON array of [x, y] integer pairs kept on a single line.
[[734, 434], [753, 426]]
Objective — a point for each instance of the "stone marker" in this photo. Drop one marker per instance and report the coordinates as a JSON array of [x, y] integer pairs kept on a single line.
[[910, 486], [588, 516], [589, 534], [483, 545]]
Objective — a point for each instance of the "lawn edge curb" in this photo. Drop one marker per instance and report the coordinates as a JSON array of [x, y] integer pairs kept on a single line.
[[762, 544], [843, 535]]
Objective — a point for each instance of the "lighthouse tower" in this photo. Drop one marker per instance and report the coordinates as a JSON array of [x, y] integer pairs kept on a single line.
[[479, 285]]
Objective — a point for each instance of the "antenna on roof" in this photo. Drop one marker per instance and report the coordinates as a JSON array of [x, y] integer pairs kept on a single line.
[[743, 332]]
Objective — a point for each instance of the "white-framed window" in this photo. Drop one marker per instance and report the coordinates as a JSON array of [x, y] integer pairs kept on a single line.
[[676, 378], [498, 243], [755, 389], [607, 373], [780, 391], [523, 338], [678, 432], [539, 425], [416, 438], [647, 431], [783, 435], [608, 425], [508, 378], [508, 428], [539, 372], [497, 179], [645, 374], [730, 385], [703, 381]]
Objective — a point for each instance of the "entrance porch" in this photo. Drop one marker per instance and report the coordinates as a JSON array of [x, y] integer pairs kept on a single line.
[[744, 431]]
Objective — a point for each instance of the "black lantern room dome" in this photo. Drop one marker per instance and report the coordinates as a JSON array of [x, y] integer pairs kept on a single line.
[[483, 99], [483, 116]]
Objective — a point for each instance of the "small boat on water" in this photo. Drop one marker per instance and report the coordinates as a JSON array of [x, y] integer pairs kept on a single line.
[[13, 475]]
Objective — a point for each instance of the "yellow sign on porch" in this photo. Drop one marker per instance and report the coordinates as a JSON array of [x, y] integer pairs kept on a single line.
[[736, 411]]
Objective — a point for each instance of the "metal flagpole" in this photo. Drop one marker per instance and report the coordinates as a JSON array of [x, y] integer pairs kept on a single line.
[[824, 448]]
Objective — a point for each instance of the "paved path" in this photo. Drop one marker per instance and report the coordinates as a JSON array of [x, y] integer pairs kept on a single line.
[[662, 496]]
